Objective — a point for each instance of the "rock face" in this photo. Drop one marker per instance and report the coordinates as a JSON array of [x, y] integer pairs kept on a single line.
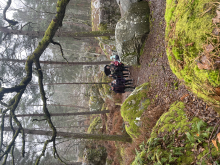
[[125, 5], [131, 32], [109, 13]]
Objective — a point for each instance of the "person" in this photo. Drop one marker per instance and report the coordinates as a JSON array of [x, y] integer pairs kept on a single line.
[[120, 85], [122, 81], [115, 58], [120, 88], [118, 75]]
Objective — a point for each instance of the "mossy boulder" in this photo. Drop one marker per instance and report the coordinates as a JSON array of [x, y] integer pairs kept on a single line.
[[133, 107], [177, 139], [192, 46], [131, 32]]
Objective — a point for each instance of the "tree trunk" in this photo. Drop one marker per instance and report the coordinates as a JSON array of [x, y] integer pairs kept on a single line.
[[38, 34], [63, 114], [61, 63], [58, 105], [73, 163], [75, 83], [123, 138]]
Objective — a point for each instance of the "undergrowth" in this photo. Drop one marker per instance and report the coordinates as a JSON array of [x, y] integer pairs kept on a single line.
[[176, 139]]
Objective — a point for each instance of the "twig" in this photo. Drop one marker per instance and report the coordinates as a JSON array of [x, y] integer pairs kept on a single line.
[[38, 120], [56, 43], [11, 22], [34, 9]]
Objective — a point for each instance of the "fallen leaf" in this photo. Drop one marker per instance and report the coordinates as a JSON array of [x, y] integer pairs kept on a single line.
[[216, 98], [190, 44], [205, 63], [217, 91], [216, 31], [209, 48], [218, 14], [183, 97], [203, 66], [215, 144], [216, 20], [218, 136]]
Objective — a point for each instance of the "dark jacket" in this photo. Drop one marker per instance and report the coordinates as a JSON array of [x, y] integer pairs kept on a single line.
[[118, 88]]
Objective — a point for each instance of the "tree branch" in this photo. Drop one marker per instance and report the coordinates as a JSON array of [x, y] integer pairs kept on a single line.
[[45, 110], [11, 22], [13, 103], [56, 43]]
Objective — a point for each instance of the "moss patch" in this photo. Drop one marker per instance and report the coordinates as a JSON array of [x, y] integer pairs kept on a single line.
[[189, 28], [176, 139], [94, 126], [133, 107]]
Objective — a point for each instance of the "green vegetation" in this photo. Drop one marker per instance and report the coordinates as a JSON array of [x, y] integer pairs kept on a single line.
[[133, 107], [189, 30], [94, 125], [96, 154], [176, 139]]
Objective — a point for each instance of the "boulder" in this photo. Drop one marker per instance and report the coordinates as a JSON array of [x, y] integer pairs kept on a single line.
[[131, 32], [132, 109], [125, 5]]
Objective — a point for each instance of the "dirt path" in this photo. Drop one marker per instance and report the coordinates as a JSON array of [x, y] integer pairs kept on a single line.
[[165, 87]]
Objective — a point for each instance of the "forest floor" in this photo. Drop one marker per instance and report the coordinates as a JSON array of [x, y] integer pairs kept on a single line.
[[165, 88], [154, 68]]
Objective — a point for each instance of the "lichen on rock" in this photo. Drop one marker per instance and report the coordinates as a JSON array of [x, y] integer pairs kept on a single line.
[[133, 107]]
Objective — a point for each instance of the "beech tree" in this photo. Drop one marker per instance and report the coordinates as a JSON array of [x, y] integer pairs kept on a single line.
[[60, 63], [62, 114], [122, 138], [19, 89]]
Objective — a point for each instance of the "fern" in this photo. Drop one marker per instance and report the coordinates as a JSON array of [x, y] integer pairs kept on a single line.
[[191, 138], [199, 125]]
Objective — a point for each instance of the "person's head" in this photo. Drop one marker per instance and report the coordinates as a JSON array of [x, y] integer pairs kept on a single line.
[[107, 67], [109, 84]]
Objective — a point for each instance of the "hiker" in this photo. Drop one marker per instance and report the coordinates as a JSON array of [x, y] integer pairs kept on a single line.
[[124, 81], [120, 85], [120, 88], [115, 58], [115, 72], [119, 75]]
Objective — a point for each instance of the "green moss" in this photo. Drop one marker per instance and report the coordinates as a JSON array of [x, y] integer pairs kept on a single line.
[[174, 139], [133, 108], [102, 46], [102, 27], [93, 126], [188, 22]]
